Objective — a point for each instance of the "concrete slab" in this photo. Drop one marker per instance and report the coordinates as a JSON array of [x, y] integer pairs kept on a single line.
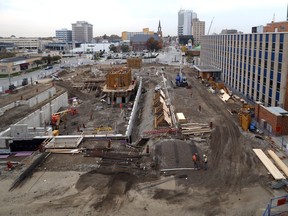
[[63, 142]]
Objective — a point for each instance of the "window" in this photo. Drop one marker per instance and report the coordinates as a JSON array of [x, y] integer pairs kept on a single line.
[[281, 47], [272, 65], [278, 86], [279, 66]]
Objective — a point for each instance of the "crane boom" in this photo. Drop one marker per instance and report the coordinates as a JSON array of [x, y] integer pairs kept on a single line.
[[210, 26]]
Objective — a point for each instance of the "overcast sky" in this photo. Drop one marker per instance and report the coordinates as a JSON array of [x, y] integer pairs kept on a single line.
[[40, 18]]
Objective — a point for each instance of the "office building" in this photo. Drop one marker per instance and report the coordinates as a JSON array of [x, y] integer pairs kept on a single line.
[[276, 27], [82, 32], [229, 31], [254, 65], [23, 43], [258, 29], [198, 30], [128, 35], [185, 22], [64, 35]]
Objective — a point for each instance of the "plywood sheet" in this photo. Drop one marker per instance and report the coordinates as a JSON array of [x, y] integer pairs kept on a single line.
[[279, 162], [274, 171]]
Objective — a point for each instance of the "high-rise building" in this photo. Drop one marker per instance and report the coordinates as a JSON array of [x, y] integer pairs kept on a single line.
[[64, 35], [185, 22], [198, 30], [254, 65], [82, 31]]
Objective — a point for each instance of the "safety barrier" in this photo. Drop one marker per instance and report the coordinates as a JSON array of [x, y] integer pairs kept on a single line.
[[277, 206]]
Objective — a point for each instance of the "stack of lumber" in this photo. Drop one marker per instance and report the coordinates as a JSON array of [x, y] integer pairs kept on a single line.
[[273, 170], [195, 128], [279, 163]]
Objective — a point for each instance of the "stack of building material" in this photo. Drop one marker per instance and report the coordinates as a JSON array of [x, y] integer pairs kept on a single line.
[[280, 164], [181, 118], [195, 128], [273, 170]]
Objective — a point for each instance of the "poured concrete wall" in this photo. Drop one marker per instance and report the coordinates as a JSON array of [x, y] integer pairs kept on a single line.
[[134, 111], [41, 97], [42, 115], [30, 102]]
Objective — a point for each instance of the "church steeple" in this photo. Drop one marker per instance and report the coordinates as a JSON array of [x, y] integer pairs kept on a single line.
[[159, 32]]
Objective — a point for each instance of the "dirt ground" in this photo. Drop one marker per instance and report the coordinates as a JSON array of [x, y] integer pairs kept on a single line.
[[236, 183]]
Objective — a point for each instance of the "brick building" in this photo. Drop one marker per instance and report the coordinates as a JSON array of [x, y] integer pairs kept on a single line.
[[276, 27], [273, 119]]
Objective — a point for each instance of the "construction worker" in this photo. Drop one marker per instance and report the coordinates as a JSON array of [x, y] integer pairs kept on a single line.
[[205, 160], [197, 161], [194, 159]]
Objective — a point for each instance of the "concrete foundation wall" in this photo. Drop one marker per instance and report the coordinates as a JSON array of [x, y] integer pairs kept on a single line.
[[39, 117], [42, 97], [30, 102], [134, 111]]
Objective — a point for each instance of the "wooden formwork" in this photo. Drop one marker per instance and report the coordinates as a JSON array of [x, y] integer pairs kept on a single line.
[[119, 78], [135, 63]]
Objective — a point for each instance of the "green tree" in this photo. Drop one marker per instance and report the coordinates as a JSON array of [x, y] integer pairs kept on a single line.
[[47, 59], [113, 48], [124, 48], [55, 58], [38, 62]]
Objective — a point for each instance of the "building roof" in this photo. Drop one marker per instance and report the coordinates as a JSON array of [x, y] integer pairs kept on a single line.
[[206, 68], [197, 48], [16, 59], [278, 111]]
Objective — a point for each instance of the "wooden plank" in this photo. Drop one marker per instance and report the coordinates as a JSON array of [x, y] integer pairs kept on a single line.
[[177, 169], [63, 151], [274, 171], [279, 162]]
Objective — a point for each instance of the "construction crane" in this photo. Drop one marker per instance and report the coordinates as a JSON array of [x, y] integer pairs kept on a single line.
[[210, 26]]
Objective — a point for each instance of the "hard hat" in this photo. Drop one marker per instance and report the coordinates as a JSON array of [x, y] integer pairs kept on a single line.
[[204, 155]]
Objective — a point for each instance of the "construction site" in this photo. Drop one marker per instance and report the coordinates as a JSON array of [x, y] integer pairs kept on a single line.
[[119, 140]]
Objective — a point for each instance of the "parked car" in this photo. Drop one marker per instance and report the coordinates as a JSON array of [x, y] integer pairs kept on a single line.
[[24, 81], [48, 67]]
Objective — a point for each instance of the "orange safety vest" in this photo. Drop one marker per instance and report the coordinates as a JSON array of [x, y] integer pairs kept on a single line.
[[194, 158]]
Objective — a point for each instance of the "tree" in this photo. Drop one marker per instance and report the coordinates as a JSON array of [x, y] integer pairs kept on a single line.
[[38, 62], [113, 48], [153, 44], [56, 58], [124, 48], [47, 59]]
